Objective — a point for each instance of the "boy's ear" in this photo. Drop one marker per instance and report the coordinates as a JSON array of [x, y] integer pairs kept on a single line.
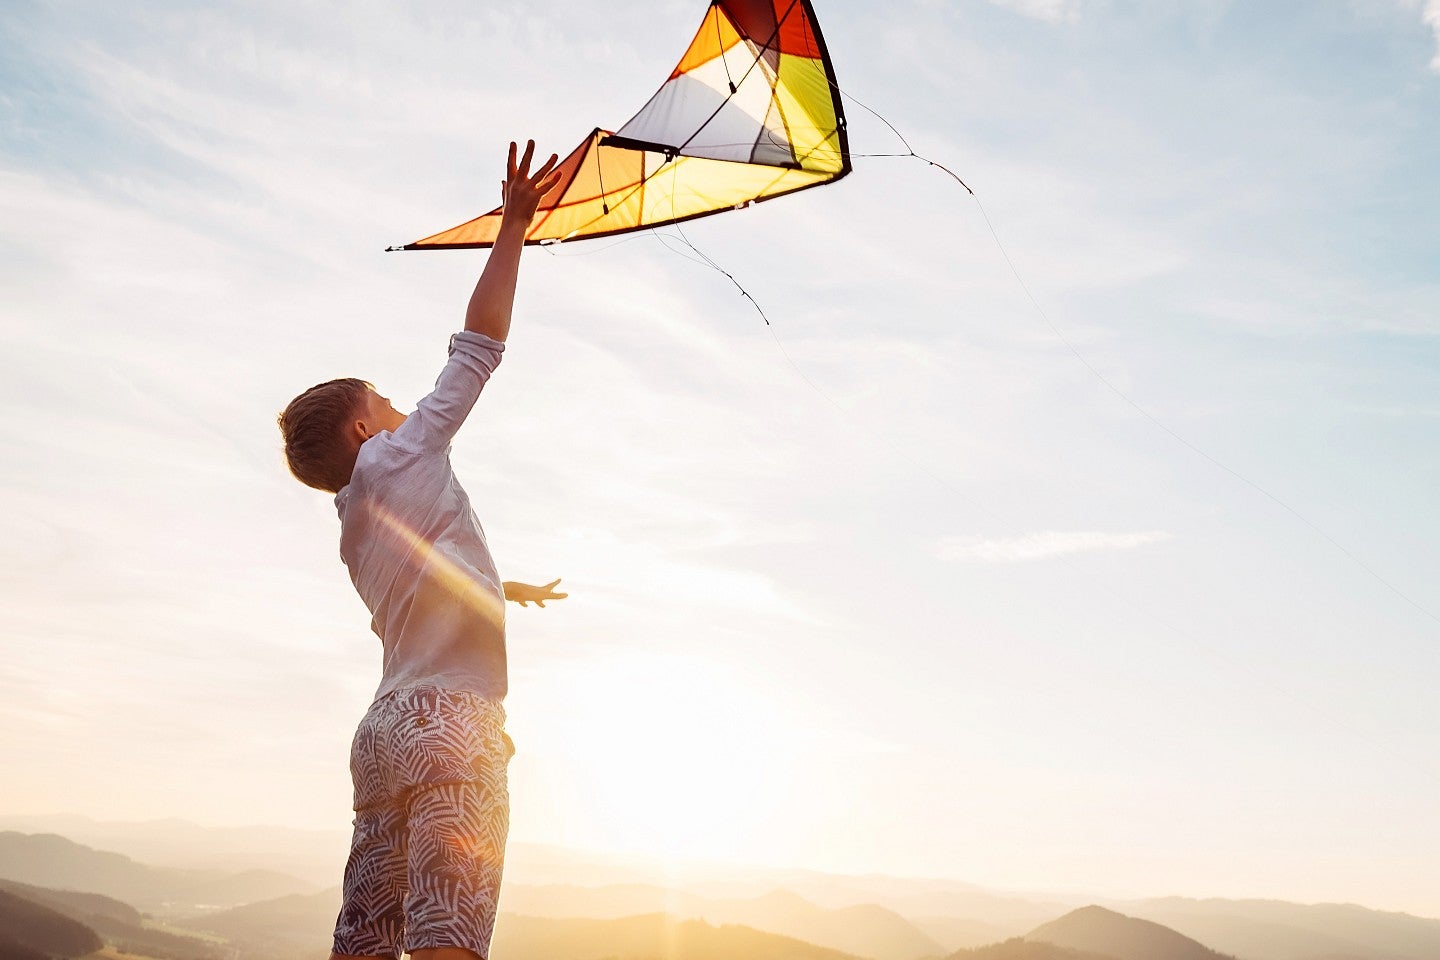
[[361, 431]]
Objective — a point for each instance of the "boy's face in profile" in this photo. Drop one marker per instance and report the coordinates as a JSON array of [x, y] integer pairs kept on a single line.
[[377, 413]]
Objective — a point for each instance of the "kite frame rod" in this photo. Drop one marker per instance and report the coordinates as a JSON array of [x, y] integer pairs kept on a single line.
[[630, 143], [616, 142]]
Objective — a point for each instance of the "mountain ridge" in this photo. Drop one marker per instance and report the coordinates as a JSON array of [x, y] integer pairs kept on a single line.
[[1096, 929], [30, 927], [866, 929], [897, 924], [115, 922], [55, 862], [1262, 929]]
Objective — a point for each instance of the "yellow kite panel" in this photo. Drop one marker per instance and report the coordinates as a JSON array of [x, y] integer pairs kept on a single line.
[[751, 112]]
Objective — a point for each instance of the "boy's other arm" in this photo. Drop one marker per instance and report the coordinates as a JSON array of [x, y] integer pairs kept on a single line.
[[494, 298], [524, 593]]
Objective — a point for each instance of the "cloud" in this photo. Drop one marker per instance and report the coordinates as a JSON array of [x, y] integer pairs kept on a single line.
[[1051, 11], [1040, 546], [1430, 14]]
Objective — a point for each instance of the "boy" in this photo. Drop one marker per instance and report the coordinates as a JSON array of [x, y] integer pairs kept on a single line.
[[429, 758]]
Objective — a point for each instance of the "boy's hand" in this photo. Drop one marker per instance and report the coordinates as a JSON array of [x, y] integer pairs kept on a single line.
[[524, 593], [491, 304], [521, 191]]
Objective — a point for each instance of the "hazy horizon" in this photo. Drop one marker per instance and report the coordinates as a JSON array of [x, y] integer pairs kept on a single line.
[[547, 864]]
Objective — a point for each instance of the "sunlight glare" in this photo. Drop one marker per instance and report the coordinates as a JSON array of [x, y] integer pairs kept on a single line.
[[688, 760]]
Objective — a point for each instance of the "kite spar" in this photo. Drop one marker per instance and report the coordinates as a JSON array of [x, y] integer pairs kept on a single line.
[[751, 112]]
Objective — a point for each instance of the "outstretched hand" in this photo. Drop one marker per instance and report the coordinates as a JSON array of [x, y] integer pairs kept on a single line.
[[525, 594], [521, 190]]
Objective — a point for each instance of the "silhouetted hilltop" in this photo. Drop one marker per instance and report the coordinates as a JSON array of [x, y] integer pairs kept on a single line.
[[870, 930], [933, 904], [312, 855], [1276, 930], [1102, 931], [10, 950], [634, 938], [26, 926], [52, 861], [1018, 948], [117, 923], [88, 908], [297, 918], [969, 933], [289, 926], [865, 929]]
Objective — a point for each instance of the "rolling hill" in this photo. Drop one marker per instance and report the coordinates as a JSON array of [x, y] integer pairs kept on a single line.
[[116, 922], [296, 919], [865, 929], [1018, 948], [48, 860], [1275, 930], [299, 925], [634, 938], [1097, 930], [885, 918], [312, 855], [29, 927]]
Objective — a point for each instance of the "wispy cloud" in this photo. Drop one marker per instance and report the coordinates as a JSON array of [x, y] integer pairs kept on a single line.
[[1050, 11], [1430, 14], [1040, 546]]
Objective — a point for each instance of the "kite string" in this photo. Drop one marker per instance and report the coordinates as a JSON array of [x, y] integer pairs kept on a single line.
[[909, 150], [553, 248], [728, 275], [1055, 330], [704, 259]]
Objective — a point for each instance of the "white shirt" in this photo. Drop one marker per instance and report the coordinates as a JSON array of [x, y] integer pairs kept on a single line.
[[415, 550]]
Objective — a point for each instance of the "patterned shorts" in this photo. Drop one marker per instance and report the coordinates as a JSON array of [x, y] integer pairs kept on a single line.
[[432, 810]]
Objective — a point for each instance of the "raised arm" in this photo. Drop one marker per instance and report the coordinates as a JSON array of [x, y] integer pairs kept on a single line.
[[475, 352], [494, 296]]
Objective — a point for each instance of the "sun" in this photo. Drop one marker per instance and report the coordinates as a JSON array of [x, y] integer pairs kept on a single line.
[[673, 758]]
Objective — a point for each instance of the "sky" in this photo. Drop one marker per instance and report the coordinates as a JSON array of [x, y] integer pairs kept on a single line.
[[1126, 588]]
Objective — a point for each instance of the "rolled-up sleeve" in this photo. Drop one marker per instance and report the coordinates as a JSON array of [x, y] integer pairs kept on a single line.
[[473, 357]]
